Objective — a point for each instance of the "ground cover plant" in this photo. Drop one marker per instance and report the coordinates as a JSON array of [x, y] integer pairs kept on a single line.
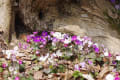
[[50, 55]]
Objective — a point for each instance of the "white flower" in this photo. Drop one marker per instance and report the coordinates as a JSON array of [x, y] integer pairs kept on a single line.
[[84, 42], [16, 48], [53, 44], [50, 60], [53, 55], [96, 45], [109, 77], [90, 43], [11, 69], [81, 39], [69, 53], [67, 41], [58, 53], [57, 35], [80, 47], [44, 58], [106, 53], [15, 72], [9, 78], [118, 58], [8, 53]]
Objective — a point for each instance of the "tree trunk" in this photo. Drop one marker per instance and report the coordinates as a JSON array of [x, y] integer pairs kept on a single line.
[[5, 15]]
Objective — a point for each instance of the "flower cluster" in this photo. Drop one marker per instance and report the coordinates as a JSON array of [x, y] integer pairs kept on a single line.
[[55, 52]]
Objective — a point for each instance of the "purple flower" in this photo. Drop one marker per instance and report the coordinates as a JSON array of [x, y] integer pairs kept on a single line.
[[77, 67], [44, 41], [78, 42], [66, 36], [82, 64], [44, 33], [113, 62], [87, 38], [94, 46], [90, 62], [55, 40], [20, 45], [74, 38], [113, 1], [37, 39], [13, 56], [96, 50], [51, 33], [25, 46], [117, 6], [30, 36], [49, 37]]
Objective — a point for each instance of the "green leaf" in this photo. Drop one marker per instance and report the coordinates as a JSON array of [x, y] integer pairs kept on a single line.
[[51, 66], [77, 74], [99, 59], [54, 70], [30, 78], [23, 78], [22, 68], [91, 55], [34, 57], [36, 68], [1, 69], [61, 68], [0, 63]]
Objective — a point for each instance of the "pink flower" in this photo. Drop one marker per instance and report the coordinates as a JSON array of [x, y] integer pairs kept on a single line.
[[74, 38], [41, 46], [83, 64], [90, 62], [4, 65], [20, 61], [37, 52], [13, 57], [17, 78], [28, 40], [51, 33], [117, 78], [35, 32], [65, 45], [20, 45], [77, 67], [110, 55]]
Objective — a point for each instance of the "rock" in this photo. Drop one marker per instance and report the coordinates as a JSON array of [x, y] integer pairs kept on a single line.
[[83, 17], [5, 21]]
